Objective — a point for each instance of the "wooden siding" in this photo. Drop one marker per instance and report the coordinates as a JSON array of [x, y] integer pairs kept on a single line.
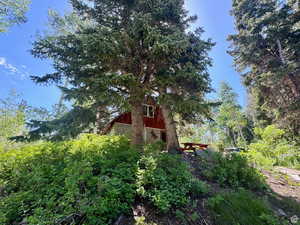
[[156, 122]]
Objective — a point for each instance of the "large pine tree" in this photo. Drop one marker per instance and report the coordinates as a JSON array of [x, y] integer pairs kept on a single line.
[[118, 51], [267, 49]]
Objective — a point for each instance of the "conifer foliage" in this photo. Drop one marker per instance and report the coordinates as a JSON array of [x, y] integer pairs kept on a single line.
[[115, 53], [12, 12], [266, 49]]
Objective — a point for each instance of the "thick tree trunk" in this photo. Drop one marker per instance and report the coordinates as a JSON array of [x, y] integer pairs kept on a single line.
[[172, 137], [137, 118]]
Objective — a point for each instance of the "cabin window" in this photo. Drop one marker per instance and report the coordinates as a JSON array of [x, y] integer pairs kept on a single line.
[[149, 111]]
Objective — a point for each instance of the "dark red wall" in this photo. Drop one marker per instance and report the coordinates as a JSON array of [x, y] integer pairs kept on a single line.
[[156, 122]]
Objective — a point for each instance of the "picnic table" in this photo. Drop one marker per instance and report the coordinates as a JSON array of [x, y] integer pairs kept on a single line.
[[193, 146]]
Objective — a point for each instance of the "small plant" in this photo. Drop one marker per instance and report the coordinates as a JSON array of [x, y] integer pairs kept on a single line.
[[155, 148], [141, 220], [180, 216], [241, 207]]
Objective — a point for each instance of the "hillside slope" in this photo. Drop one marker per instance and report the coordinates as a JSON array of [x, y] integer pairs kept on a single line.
[[102, 180]]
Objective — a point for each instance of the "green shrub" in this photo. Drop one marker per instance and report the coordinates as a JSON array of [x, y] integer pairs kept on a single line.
[[272, 149], [91, 180], [233, 171], [154, 148], [240, 208], [166, 181]]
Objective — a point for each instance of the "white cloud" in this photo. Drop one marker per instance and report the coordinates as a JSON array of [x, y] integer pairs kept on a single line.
[[8, 66], [14, 69]]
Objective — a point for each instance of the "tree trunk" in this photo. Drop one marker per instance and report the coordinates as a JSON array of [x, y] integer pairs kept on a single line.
[[294, 85], [242, 135], [137, 117], [280, 52], [172, 137], [98, 121], [232, 136]]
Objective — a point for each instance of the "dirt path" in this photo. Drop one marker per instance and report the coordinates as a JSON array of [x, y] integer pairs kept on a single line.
[[284, 182]]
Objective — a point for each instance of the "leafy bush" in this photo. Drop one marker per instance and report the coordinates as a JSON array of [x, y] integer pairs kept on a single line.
[[166, 181], [233, 171], [90, 180], [272, 149], [154, 148], [240, 207]]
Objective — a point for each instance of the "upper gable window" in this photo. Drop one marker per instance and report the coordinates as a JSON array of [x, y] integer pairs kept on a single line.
[[148, 111]]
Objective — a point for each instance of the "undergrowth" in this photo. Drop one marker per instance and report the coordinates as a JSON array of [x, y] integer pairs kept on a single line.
[[91, 180], [241, 207], [233, 171], [94, 179], [166, 181], [88, 181], [273, 149]]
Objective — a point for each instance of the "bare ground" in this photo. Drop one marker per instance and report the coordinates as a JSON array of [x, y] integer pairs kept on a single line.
[[284, 182]]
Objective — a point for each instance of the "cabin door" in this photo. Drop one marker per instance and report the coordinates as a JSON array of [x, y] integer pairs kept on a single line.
[[163, 136]]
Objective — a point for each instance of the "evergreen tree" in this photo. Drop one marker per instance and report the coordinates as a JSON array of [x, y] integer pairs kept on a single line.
[[117, 52], [232, 123], [266, 49], [14, 115], [12, 12], [183, 84]]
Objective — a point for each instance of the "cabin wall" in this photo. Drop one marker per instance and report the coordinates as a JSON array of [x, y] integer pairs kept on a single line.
[[121, 129], [150, 134]]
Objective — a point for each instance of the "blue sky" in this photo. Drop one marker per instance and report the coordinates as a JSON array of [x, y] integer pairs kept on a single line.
[[17, 64]]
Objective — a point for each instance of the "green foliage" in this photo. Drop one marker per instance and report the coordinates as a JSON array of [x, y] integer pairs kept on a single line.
[[234, 171], [57, 128], [231, 124], [116, 53], [12, 12], [15, 113], [266, 50], [141, 220], [166, 181], [241, 207], [154, 148], [273, 149], [91, 179], [12, 118]]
